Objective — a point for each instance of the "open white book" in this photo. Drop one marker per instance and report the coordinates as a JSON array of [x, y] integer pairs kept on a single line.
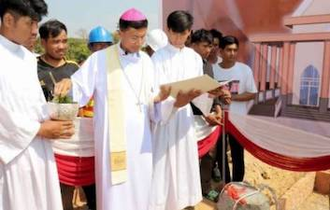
[[203, 83]]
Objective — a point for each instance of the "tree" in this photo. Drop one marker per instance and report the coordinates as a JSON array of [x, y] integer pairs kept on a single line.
[[82, 33], [78, 50]]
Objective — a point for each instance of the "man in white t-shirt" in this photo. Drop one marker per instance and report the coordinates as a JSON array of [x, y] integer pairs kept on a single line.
[[243, 89]]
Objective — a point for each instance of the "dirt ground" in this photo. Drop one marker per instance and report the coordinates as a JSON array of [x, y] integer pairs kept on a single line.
[[257, 173], [279, 180]]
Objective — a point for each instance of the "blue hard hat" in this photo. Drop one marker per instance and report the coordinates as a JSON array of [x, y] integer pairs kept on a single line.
[[99, 34]]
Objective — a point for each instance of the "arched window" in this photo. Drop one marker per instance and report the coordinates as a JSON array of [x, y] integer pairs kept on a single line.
[[309, 86]]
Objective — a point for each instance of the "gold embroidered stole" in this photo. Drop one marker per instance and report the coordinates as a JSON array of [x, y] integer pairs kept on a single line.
[[116, 108]]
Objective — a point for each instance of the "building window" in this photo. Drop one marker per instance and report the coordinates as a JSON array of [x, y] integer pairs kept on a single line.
[[309, 87]]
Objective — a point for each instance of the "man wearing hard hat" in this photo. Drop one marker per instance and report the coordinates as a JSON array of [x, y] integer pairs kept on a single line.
[[99, 38], [155, 40]]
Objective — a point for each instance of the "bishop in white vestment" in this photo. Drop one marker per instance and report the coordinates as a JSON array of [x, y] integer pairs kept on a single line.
[[120, 78], [90, 80]]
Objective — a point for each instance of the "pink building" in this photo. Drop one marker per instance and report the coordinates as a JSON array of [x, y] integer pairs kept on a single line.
[[286, 44]]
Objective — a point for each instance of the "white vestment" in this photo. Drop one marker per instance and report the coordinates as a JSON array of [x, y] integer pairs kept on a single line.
[[176, 178], [28, 174], [91, 79]]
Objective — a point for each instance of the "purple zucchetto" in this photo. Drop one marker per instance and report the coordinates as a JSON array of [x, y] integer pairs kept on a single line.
[[133, 15]]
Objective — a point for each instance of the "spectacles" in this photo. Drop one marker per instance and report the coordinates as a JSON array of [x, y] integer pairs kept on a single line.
[[135, 39]]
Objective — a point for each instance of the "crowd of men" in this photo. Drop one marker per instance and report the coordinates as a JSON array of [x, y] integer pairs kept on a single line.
[[133, 145]]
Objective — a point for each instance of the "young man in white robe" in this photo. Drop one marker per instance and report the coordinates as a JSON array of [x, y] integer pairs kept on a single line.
[[121, 80], [176, 177], [28, 175]]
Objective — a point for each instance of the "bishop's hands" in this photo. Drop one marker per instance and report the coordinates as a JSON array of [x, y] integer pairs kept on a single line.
[[183, 98], [63, 87], [163, 94]]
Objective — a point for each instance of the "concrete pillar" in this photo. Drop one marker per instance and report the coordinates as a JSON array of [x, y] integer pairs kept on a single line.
[[284, 75], [292, 56], [263, 67], [256, 63], [280, 67], [273, 60], [325, 80]]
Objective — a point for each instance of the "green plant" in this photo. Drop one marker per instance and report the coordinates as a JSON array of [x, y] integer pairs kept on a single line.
[[62, 99]]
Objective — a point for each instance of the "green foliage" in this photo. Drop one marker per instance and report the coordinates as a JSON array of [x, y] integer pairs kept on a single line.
[[62, 100], [77, 49], [38, 48]]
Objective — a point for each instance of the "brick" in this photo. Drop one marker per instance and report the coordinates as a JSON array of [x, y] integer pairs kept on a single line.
[[322, 182]]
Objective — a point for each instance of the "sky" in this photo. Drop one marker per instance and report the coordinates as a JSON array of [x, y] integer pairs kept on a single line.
[[87, 14]]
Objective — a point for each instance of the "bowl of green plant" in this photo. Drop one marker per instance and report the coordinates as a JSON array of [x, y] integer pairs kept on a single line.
[[62, 108]]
